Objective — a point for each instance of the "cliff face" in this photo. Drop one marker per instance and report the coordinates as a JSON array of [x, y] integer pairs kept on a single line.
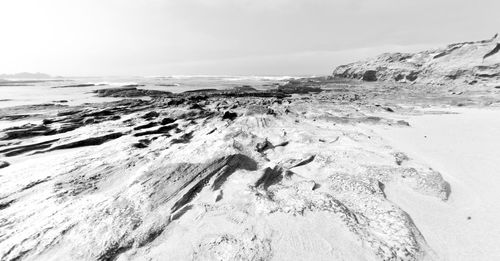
[[461, 63]]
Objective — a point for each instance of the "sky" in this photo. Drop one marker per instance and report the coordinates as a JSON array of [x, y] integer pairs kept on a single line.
[[227, 37]]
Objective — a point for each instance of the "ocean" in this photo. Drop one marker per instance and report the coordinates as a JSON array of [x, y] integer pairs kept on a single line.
[[15, 92]]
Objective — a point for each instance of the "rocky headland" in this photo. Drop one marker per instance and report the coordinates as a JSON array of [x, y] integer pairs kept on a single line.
[[469, 63]]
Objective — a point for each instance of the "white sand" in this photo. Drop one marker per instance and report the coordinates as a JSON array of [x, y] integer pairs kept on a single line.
[[465, 148]]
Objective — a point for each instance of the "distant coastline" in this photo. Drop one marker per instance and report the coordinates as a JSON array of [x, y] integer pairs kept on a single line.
[[25, 75]]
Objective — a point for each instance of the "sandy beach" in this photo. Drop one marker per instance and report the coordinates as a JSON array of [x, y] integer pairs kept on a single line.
[[464, 148]]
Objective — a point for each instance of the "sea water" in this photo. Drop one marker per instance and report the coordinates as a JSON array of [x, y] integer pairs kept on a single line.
[[17, 92], [50, 91]]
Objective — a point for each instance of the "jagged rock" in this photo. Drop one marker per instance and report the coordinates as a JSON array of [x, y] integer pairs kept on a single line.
[[68, 112], [129, 92], [271, 112], [403, 123], [293, 163], [176, 102], [196, 106], [3, 164], [184, 138], [146, 126], [87, 142], [229, 115], [412, 76], [299, 86], [270, 176], [492, 52], [400, 157], [199, 175], [47, 121], [132, 85], [166, 121], [17, 150], [150, 115], [161, 130], [244, 88], [26, 131], [469, 62], [143, 143], [369, 76], [263, 146], [399, 77], [14, 117], [88, 121]]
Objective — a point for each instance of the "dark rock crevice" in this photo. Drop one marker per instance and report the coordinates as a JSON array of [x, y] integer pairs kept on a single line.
[[269, 177], [17, 150], [492, 52], [221, 169]]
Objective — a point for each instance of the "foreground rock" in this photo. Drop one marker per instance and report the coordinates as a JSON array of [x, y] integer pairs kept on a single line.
[[3, 164], [212, 175]]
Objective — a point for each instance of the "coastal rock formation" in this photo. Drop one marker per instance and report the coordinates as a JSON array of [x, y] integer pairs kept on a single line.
[[3, 164], [469, 63], [245, 175], [129, 91]]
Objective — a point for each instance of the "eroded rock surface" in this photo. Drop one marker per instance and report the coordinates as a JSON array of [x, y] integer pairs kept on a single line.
[[244, 175]]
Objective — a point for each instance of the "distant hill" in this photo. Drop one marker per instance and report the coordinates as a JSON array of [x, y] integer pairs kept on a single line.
[[468, 63], [25, 75]]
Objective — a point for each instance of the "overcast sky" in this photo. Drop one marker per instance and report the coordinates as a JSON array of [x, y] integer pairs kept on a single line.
[[229, 37]]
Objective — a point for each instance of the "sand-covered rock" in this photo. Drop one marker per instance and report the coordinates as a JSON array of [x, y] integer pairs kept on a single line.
[[153, 180]]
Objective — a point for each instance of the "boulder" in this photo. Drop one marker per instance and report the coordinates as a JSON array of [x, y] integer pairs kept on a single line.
[[229, 115], [370, 76]]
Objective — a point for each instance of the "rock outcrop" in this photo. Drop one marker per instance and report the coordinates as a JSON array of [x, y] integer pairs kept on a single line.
[[291, 173], [244, 175], [3, 164], [468, 63]]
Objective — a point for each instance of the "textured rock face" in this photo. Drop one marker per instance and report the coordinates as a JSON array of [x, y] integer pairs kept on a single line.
[[370, 76], [461, 63], [156, 180], [3, 164], [242, 176]]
